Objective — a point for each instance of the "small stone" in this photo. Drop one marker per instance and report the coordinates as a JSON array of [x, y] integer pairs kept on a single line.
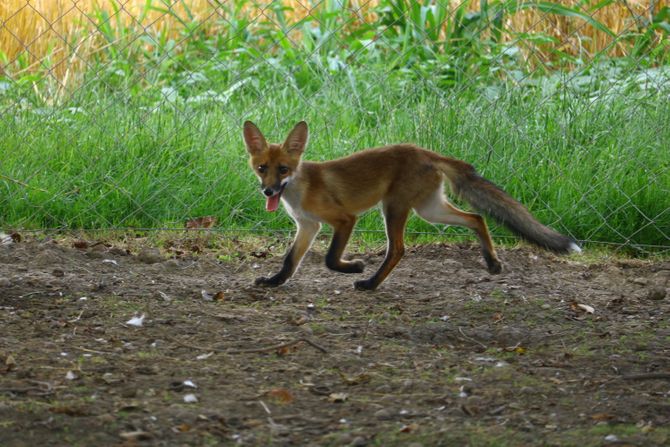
[[95, 254], [527, 390], [106, 418], [641, 281], [5, 282], [172, 264], [358, 441], [409, 384], [58, 273], [384, 389], [150, 256], [117, 251], [190, 398], [129, 393], [384, 413], [47, 257], [656, 293]]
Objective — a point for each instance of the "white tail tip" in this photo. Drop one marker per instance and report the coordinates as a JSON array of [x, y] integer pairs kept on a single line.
[[575, 248]]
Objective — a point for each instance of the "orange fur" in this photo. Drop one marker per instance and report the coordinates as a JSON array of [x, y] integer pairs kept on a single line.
[[401, 177]]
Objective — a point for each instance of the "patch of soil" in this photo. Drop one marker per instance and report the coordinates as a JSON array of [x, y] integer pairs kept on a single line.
[[553, 351]]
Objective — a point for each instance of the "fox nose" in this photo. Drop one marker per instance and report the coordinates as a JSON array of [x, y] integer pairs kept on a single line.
[[268, 191]]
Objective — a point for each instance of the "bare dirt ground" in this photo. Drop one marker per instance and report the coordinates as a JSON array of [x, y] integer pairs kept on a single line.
[[554, 351]]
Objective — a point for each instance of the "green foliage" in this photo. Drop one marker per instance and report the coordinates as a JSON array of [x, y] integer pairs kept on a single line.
[[152, 135]]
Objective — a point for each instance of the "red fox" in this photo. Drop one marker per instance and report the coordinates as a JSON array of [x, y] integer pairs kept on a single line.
[[403, 177]]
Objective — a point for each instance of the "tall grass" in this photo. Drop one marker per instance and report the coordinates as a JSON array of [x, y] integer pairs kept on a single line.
[[598, 173], [64, 36]]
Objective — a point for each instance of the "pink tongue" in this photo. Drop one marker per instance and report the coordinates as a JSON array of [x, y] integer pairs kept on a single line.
[[273, 203]]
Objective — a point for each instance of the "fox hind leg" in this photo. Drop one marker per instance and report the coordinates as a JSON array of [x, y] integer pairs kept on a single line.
[[436, 209], [395, 219]]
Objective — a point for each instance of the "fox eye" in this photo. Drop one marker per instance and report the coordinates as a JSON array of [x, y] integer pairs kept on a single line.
[[283, 170], [262, 169]]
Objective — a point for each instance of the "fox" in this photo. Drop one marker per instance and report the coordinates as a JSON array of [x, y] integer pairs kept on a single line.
[[403, 178]]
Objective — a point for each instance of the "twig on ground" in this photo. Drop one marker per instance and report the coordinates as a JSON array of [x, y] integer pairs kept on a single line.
[[277, 347], [472, 339], [74, 320], [30, 294], [42, 389], [648, 376], [265, 407], [81, 348], [254, 350]]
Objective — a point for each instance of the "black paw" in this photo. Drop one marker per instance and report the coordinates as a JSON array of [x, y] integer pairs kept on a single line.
[[268, 282], [365, 284], [494, 267]]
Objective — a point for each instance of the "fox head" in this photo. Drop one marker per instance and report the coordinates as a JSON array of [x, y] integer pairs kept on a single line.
[[274, 164]]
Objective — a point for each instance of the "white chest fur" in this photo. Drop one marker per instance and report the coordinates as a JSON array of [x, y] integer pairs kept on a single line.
[[292, 199]]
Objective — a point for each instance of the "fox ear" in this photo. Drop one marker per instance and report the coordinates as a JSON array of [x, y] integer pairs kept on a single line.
[[297, 139], [254, 139]]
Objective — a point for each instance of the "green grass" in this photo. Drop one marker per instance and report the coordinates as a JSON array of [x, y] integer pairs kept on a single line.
[[151, 139], [596, 169]]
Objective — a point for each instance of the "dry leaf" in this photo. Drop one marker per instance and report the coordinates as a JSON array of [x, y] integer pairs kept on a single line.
[[599, 417], [201, 222], [498, 317], [219, 296], [10, 362], [280, 395], [516, 348], [355, 380], [409, 428], [469, 410], [299, 321], [181, 428], [82, 245], [284, 350]]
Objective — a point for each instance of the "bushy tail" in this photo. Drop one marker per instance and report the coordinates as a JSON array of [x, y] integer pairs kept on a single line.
[[489, 199]]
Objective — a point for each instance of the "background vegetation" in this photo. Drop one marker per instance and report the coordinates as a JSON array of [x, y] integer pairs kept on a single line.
[[128, 113]]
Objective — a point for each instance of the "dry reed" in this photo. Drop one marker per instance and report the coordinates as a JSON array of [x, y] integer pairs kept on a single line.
[[61, 35]]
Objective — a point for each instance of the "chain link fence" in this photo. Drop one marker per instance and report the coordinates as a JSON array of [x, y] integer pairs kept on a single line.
[[128, 114]]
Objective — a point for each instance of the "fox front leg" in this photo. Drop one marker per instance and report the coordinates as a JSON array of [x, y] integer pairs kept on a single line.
[[307, 230]]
